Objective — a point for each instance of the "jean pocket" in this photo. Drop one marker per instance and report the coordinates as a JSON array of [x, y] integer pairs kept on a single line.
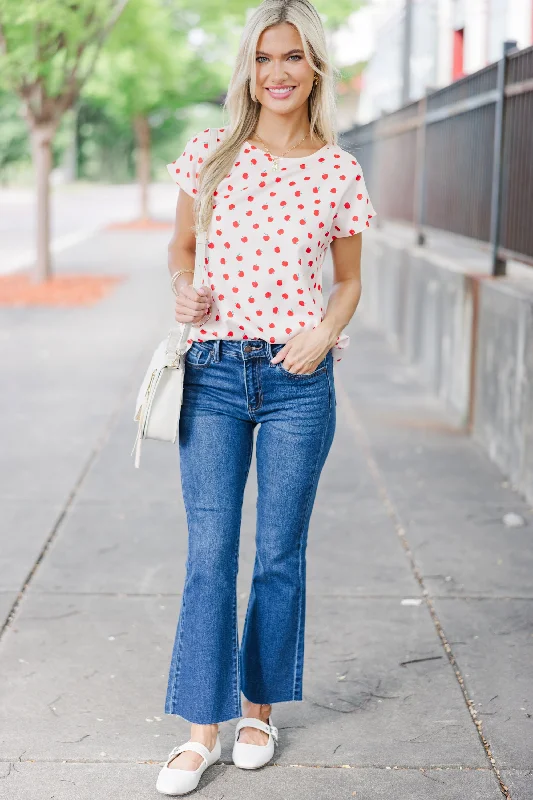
[[199, 354], [322, 367]]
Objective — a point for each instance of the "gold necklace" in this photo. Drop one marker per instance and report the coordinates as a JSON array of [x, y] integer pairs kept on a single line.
[[275, 159]]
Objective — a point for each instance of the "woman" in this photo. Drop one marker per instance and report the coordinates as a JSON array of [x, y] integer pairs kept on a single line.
[[276, 193]]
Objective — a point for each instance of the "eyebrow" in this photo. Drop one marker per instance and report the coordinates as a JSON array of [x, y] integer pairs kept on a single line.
[[290, 53]]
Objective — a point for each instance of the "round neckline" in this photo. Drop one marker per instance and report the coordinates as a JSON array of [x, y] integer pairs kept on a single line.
[[287, 158]]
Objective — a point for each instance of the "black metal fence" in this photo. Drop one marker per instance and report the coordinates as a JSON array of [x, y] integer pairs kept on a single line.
[[460, 159]]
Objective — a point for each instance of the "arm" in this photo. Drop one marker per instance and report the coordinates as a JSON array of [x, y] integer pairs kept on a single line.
[[346, 291], [191, 306]]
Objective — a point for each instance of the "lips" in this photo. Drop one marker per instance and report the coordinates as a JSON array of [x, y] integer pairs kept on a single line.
[[280, 92]]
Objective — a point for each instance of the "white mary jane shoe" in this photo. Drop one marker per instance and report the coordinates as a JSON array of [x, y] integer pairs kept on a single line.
[[253, 756], [182, 781]]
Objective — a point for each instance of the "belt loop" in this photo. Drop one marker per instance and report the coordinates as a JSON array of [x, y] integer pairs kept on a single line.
[[269, 351], [216, 349]]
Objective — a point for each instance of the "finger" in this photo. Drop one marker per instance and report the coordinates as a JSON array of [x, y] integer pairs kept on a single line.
[[193, 305], [280, 355], [188, 315], [191, 294]]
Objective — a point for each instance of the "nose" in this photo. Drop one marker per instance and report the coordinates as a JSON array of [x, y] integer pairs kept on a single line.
[[278, 72]]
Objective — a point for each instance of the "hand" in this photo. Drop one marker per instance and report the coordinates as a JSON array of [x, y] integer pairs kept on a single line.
[[191, 305], [304, 352]]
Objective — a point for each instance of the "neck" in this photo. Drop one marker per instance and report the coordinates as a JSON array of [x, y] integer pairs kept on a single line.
[[282, 130]]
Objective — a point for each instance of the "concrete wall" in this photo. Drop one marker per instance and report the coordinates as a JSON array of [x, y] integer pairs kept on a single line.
[[426, 310], [503, 408], [469, 337]]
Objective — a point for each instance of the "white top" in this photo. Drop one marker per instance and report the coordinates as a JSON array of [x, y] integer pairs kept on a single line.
[[268, 237]]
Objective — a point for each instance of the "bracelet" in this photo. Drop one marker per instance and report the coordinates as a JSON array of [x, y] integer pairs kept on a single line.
[[202, 321], [176, 276]]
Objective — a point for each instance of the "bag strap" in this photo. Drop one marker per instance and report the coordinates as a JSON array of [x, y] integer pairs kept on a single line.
[[177, 337]]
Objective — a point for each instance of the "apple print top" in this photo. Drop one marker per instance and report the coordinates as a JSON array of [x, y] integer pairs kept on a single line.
[[268, 237]]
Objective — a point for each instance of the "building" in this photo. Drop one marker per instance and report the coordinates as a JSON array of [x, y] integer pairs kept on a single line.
[[449, 39]]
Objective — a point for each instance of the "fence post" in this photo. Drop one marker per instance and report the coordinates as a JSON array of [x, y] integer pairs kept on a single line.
[[498, 264], [420, 171]]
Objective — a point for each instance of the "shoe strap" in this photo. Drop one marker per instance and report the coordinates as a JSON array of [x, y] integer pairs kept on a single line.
[[252, 722], [196, 747]]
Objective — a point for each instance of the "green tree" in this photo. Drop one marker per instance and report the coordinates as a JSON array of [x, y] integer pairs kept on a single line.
[[148, 69], [48, 49]]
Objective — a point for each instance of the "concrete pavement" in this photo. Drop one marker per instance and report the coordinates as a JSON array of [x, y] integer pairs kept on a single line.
[[420, 599]]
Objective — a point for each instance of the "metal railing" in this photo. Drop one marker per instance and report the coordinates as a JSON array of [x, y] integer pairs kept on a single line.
[[460, 159]]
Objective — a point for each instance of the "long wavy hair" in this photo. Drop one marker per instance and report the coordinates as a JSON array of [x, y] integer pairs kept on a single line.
[[242, 105]]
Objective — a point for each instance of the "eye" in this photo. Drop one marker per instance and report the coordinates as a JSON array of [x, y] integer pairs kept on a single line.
[[296, 56], [258, 59]]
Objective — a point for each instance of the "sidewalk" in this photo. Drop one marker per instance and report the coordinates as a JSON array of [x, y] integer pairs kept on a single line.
[[407, 542]]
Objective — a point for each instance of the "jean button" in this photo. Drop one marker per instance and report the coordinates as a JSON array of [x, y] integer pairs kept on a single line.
[[248, 349]]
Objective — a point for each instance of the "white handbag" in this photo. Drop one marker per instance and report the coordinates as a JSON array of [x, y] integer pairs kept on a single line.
[[158, 405]]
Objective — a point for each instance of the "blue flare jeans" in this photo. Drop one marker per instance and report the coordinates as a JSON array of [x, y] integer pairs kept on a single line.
[[230, 387]]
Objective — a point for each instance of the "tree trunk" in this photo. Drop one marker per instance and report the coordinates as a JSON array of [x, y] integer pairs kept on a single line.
[[41, 138], [142, 136]]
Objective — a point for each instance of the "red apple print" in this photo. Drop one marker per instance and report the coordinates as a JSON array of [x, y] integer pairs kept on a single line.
[[295, 240], [219, 233], [222, 260], [302, 166], [297, 194], [244, 239], [259, 328], [258, 312], [256, 267], [221, 297], [285, 296], [301, 302], [245, 176], [268, 294], [300, 206], [237, 305], [287, 217], [235, 289], [272, 340], [302, 222], [302, 323], [230, 313], [271, 325], [255, 284], [296, 276], [210, 274], [251, 299], [262, 185], [227, 245], [283, 203], [277, 249], [211, 245], [333, 190], [342, 177], [255, 225], [279, 283], [316, 212], [266, 237], [230, 333], [300, 291], [325, 177], [271, 219], [292, 183], [346, 205], [357, 177], [271, 271], [231, 206], [240, 273], [235, 224], [290, 312], [238, 257], [284, 263], [288, 330], [247, 318], [275, 310], [218, 218], [281, 232], [225, 276], [315, 189], [253, 160], [249, 213], [359, 196], [258, 253], [250, 198], [242, 328]]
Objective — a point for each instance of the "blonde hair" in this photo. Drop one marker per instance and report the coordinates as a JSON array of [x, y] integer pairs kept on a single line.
[[242, 106]]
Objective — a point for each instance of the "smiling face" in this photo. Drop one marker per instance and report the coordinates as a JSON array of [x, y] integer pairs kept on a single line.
[[284, 78]]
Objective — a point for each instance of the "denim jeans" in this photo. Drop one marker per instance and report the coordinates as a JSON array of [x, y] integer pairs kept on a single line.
[[229, 389]]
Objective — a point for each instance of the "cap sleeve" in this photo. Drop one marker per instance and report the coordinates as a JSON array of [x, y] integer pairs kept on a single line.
[[185, 169], [355, 208]]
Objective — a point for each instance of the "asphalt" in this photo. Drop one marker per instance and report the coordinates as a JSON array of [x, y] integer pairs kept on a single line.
[[418, 677]]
